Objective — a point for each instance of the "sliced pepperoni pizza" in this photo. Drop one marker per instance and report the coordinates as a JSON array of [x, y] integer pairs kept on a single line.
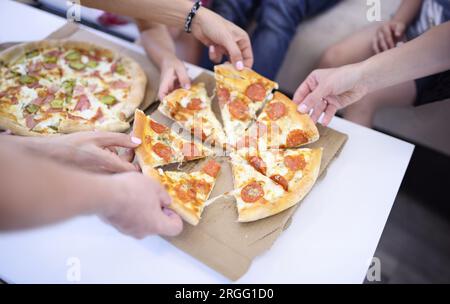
[[245, 82], [281, 126], [161, 146], [189, 191], [257, 196], [295, 171], [292, 169], [241, 94], [192, 110]]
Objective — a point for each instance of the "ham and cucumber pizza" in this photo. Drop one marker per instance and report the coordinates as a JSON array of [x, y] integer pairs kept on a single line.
[[192, 110], [280, 125], [161, 145], [189, 191], [54, 86]]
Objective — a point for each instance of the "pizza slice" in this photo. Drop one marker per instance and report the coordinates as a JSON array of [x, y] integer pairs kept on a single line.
[[281, 126], [257, 196], [237, 114], [273, 181], [246, 82], [161, 146], [192, 110], [189, 191], [292, 169]]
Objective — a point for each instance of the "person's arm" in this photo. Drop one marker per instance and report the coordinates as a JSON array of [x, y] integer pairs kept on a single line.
[[36, 191], [407, 11], [93, 151], [326, 91], [160, 47], [207, 26], [426, 55], [393, 31]]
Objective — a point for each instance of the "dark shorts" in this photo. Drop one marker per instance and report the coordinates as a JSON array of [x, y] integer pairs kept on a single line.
[[433, 88]]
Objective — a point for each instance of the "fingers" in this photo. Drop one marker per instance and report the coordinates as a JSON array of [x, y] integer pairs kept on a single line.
[[169, 223], [304, 89], [382, 42], [183, 77], [128, 155], [375, 46], [166, 84], [318, 109], [216, 53], [106, 139], [329, 114], [247, 51], [112, 163], [399, 30], [234, 53], [389, 39]]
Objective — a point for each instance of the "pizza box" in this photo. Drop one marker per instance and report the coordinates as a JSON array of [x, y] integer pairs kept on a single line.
[[221, 242], [218, 241]]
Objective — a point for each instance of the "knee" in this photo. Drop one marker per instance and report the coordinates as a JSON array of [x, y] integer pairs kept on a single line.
[[332, 57]]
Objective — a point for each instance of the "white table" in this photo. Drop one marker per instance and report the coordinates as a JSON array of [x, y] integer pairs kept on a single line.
[[332, 238]]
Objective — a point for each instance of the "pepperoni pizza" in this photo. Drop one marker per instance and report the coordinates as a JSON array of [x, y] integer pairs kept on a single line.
[[53, 86], [189, 191], [280, 125], [241, 95], [192, 110], [161, 146]]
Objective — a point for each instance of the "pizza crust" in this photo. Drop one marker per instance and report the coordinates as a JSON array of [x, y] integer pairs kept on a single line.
[[310, 174], [135, 96]]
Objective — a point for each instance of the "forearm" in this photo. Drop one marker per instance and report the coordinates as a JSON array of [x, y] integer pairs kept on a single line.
[[36, 191], [426, 55], [157, 41], [168, 12], [407, 11]]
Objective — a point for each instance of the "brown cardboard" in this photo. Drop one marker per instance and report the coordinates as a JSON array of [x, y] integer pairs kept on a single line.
[[74, 32], [219, 241]]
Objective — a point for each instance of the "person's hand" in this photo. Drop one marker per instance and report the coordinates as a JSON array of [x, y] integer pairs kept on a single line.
[[94, 151], [140, 207], [173, 75], [388, 35], [223, 38], [326, 91]]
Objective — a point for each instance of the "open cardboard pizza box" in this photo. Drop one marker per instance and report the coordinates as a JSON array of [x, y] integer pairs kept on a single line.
[[218, 241]]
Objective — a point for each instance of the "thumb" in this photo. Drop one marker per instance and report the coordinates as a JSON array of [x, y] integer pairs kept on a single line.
[[170, 223]]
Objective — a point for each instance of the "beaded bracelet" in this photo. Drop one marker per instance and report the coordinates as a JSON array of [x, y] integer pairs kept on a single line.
[[191, 15]]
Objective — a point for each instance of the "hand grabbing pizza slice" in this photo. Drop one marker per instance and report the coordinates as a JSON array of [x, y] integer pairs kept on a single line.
[[189, 191], [281, 126], [192, 110], [161, 146]]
